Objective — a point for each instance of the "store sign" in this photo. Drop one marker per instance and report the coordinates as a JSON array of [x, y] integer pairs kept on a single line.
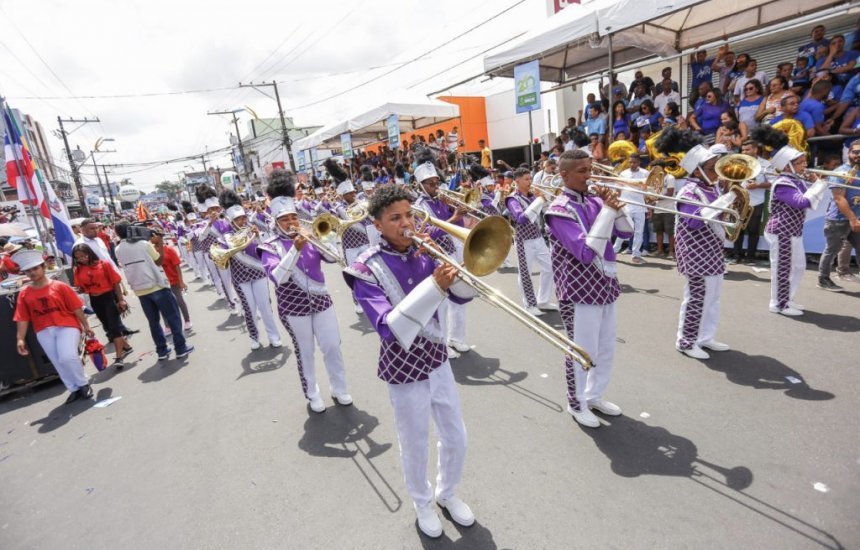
[[393, 124], [527, 86]]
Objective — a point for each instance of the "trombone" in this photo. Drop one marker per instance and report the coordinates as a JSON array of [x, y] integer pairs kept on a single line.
[[851, 175], [485, 247], [469, 200], [320, 228]]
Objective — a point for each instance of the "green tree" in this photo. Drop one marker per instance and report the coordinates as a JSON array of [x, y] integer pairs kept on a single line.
[[171, 188]]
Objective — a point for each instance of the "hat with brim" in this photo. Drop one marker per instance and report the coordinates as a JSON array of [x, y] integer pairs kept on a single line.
[[234, 212], [281, 206], [696, 157], [784, 156], [425, 171], [28, 259], [212, 202], [345, 187], [10, 248]]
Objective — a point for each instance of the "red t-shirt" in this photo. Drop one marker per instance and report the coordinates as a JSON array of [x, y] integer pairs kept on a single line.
[[50, 306], [170, 263], [10, 266], [97, 278], [104, 237]]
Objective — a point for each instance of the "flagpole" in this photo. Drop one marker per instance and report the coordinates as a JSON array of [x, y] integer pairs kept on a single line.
[[41, 227]]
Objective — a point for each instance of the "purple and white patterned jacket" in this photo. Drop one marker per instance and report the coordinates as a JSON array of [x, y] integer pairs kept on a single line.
[[787, 206], [698, 244], [304, 291], [517, 204], [438, 209]]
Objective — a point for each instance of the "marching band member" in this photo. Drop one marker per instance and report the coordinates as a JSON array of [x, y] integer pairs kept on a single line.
[[453, 314], [183, 235], [698, 245], [248, 275], [304, 206], [201, 271], [212, 232], [525, 209], [791, 195], [368, 186], [401, 291], [580, 227], [304, 304], [490, 200]]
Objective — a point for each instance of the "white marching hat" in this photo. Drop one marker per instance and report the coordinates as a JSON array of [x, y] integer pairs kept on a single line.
[[784, 156], [486, 181], [281, 206], [695, 157], [367, 185], [425, 171], [719, 149], [234, 212], [28, 259], [211, 202], [345, 187]]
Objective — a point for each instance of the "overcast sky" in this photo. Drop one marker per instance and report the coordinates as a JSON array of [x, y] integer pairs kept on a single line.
[[317, 49]]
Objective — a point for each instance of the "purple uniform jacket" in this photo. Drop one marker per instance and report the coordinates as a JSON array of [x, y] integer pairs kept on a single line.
[[304, 292], [438, 209], [197, 236], [580, 275], [380, 278], [787, 206], [246, 265], [355, 235], [698, 246], [487, 205], [516, 204]]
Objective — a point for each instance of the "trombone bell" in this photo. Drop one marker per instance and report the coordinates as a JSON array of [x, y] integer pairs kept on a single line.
[[485, 246]]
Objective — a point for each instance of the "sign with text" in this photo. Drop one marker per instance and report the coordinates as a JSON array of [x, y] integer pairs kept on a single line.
[[393, 124], [346, 145], [527, 86]]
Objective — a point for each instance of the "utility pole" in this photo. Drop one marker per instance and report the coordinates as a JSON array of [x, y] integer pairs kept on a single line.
[[285, 134], [96, 168], [76, 176], [238, 136], [110, 190]]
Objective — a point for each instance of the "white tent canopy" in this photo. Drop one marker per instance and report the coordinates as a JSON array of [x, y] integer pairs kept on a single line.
[[369, 126], [576, 44]]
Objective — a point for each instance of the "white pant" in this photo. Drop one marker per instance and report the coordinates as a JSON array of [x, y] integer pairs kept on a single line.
[[537, 252], [61, 347], [323, 326], [184, 255], [413, 404], [257, 295], [637, 219], [701, 312], [594, 330], [199, 264], [795, 272], [223, 282]]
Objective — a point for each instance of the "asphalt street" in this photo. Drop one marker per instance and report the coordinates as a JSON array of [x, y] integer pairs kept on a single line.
[[754, 448]]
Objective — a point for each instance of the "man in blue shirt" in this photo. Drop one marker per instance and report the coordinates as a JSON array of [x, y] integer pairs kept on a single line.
[[595, 124], [814, 106], [841, 223], [700, 68], [791, 110], [808, 50]]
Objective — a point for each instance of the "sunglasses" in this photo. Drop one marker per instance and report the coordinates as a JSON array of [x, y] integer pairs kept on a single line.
[[748, 88]]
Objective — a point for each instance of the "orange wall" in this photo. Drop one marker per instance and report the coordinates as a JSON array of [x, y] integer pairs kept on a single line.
[[471, 126]]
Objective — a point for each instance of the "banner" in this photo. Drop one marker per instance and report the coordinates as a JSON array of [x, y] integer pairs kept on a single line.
[[300, 161], [527, 86], [393, 124], [346, 145], [314, 160]]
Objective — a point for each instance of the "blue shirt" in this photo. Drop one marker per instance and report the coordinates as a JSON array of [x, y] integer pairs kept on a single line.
[[596, 126], [851, 195], [801, 116], [701, 73], [809, 49], [815, 109], [708, 117], [838, 62], [851, 93]]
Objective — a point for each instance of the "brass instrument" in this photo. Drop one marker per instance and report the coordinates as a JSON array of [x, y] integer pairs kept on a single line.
[[737, 169], [672, 163], [485, 248], [357, 213], [851, 175], [549, 192], [619, 153], [236, 242], [321, 227], [469, 200]]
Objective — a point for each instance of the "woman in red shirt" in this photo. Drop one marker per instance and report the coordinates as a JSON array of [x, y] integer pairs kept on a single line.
[[100, 280], [57, 316]]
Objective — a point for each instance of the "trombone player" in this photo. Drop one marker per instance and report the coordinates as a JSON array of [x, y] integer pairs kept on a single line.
[[580, 225], [246, 269], [525, 209]]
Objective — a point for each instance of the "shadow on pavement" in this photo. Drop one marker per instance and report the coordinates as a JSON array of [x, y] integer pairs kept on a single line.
[[344, 432], [63, 413], [162, 369], [362, 325], [232, 321], [831, 321], [476, 537], [264, 360], [763, 373], [51, 388], [635, 448], [473, 369]]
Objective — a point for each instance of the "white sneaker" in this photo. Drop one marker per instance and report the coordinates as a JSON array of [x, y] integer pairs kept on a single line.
[[428, 521], [255, 345], [534, 311], [549, 306], [797, 306], [788, 311], [847, 277], [459, 510], [584, 417], [695, 352], [606, 407], [187, 326], [275, 343], [460, 347], [713, 345], [343, 399], [317, 404]]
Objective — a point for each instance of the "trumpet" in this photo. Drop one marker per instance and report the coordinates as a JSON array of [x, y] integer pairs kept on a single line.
[[851, 175], [485, 247], [469, 200]]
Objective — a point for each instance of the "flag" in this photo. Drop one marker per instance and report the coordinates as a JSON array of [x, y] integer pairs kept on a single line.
[[142, 212], [20, 172], [30, 183]]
